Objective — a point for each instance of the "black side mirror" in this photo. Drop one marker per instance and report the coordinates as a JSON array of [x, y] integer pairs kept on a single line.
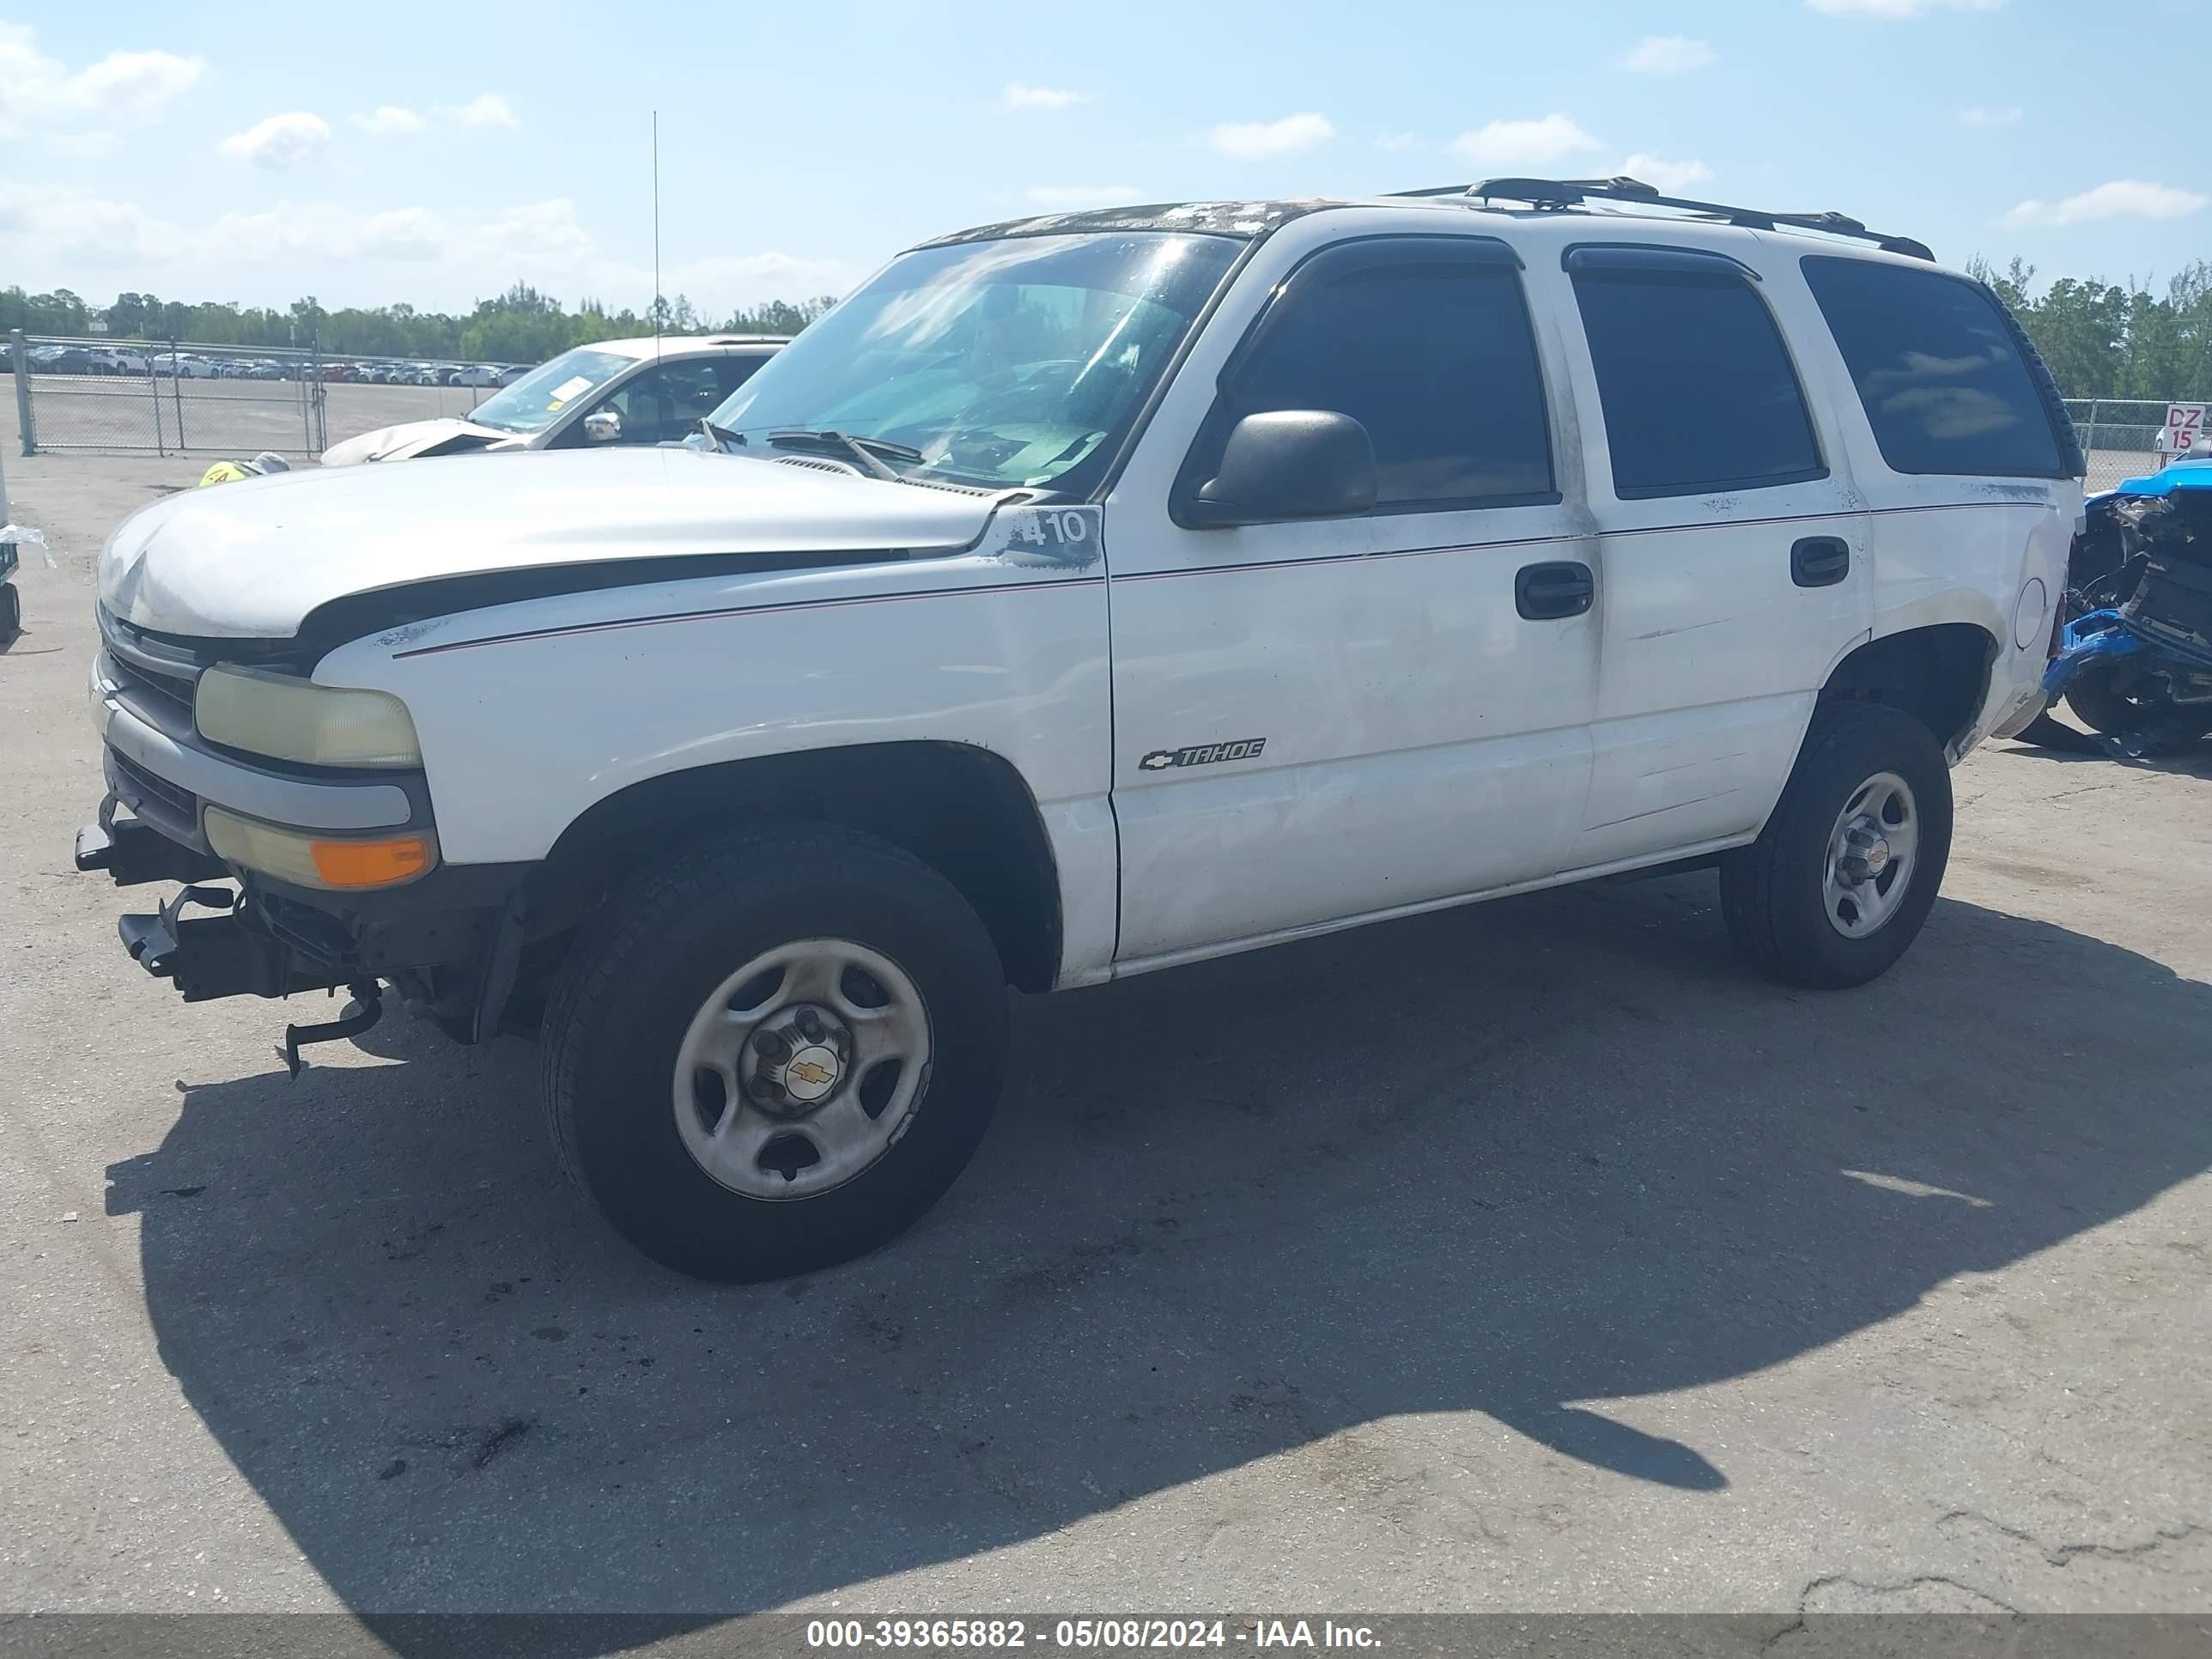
[[1287, 463]]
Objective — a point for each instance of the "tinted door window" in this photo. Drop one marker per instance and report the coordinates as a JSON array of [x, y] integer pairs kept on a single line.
[[1698, 390], [730, 373], [1939, 369], [663, 404], [1430, 349]]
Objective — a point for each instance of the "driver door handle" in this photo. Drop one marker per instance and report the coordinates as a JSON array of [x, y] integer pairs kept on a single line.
[[1819, 561], [1556, 589]]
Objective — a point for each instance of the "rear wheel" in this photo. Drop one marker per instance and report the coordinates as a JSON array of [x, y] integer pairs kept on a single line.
[[1842, 878], [776, 1055]]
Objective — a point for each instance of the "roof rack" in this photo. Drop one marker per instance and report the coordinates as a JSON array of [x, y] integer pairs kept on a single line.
[[1554, 195]]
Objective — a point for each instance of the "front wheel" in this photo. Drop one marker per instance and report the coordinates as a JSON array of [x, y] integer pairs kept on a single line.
[[2105, 701], [1844, 876], [776, 1055]]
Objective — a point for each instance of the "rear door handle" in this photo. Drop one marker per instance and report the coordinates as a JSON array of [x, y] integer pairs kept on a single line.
[[1545, 593], [1819, 561]]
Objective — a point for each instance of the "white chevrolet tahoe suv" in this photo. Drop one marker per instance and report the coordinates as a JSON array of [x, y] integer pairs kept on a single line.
[[1084, 596]]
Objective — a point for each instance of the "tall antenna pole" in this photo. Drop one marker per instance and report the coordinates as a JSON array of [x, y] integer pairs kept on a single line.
[[656, 236]]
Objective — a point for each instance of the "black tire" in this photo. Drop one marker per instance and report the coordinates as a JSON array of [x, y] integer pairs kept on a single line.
[[619, 1007], [1772, 892], [2153, 726], [11, 612], [2095, 697]]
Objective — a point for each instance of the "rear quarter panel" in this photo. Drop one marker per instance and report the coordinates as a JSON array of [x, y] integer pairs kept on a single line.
[[1950, 548]]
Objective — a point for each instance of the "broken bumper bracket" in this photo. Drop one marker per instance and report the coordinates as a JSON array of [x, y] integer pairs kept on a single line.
[[211, 957], [134, 853]]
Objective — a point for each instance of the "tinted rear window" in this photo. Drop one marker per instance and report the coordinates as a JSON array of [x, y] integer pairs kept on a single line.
[[1698, 393], [1939, 369]]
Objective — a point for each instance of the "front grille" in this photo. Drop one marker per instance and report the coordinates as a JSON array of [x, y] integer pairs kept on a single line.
[[160, 693], [156, 675]]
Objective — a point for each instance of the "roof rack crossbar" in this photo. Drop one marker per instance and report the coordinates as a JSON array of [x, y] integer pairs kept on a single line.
[[1556, 194]]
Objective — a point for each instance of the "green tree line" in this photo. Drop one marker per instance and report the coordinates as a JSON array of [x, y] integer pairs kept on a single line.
[[2101, 339], [521, 325]]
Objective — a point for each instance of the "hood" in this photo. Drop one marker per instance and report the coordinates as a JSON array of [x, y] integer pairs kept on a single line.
[[411, 440], [251, 559]]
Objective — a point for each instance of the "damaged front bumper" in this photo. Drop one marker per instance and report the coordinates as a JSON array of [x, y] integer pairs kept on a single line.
[[449, 942], [2115, 638], [447, 939]]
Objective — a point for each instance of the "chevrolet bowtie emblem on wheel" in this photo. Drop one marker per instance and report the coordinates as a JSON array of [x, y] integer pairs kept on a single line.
[[1203, 754], [810, 1072]]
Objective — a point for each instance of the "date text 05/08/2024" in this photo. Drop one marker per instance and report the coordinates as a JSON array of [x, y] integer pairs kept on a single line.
[[1088, 1634]]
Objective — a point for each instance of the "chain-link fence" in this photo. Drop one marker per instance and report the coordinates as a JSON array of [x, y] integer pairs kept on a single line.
[[175, 398], [169, 398], [2120, 435]]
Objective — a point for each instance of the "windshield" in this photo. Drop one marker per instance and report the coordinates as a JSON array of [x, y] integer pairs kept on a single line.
[[1004, 364], [533, 402]]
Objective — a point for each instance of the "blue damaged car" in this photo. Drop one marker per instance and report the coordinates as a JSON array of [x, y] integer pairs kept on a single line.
[[2135, 663]]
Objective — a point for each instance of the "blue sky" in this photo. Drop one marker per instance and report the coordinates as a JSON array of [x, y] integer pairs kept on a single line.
[[238, 153]]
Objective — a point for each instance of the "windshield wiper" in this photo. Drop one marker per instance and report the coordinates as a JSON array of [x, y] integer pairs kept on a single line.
[[866, 453], [721, 436]]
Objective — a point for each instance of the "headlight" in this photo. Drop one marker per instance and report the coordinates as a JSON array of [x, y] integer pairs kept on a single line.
[[340, 863], [296, 720]]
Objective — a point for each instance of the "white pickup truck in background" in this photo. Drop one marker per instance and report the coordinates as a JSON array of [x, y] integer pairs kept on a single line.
[[1081, 597]]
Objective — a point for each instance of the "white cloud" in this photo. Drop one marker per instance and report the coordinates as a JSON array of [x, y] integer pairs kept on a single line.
[[84, 145], [123, 85], [1670, 178], [1544, 142], [1254, 141], [57, 234], [1977, 117], [1397, 142], [1898, 7], [2123, 198], [278, 142], [488, 109], [1017, 96], [72, 229], [388, 119], [1064, 197], [1669, 54]]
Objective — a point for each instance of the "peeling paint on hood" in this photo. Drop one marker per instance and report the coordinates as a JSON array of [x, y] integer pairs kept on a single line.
[[253, 559]]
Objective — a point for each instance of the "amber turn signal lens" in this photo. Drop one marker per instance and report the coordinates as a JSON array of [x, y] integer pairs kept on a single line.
[[370, 863]]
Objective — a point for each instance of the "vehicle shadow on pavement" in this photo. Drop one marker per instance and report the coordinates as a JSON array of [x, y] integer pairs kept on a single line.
[[1519, 1160]]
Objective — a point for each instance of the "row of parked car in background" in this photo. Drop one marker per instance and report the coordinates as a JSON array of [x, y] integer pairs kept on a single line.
[[68, 359]]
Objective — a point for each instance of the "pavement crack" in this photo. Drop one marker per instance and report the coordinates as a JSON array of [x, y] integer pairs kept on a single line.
[[2060, 1555], [1872, 1587]]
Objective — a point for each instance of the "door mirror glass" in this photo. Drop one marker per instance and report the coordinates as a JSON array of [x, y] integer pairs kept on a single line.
[[603, 426], [1287, 463]]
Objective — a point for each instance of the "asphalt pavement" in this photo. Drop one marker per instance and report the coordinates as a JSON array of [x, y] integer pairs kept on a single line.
[[1533, 1256]]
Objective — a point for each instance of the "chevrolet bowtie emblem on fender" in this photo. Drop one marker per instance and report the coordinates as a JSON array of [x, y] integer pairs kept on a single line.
[[1203, 754]]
